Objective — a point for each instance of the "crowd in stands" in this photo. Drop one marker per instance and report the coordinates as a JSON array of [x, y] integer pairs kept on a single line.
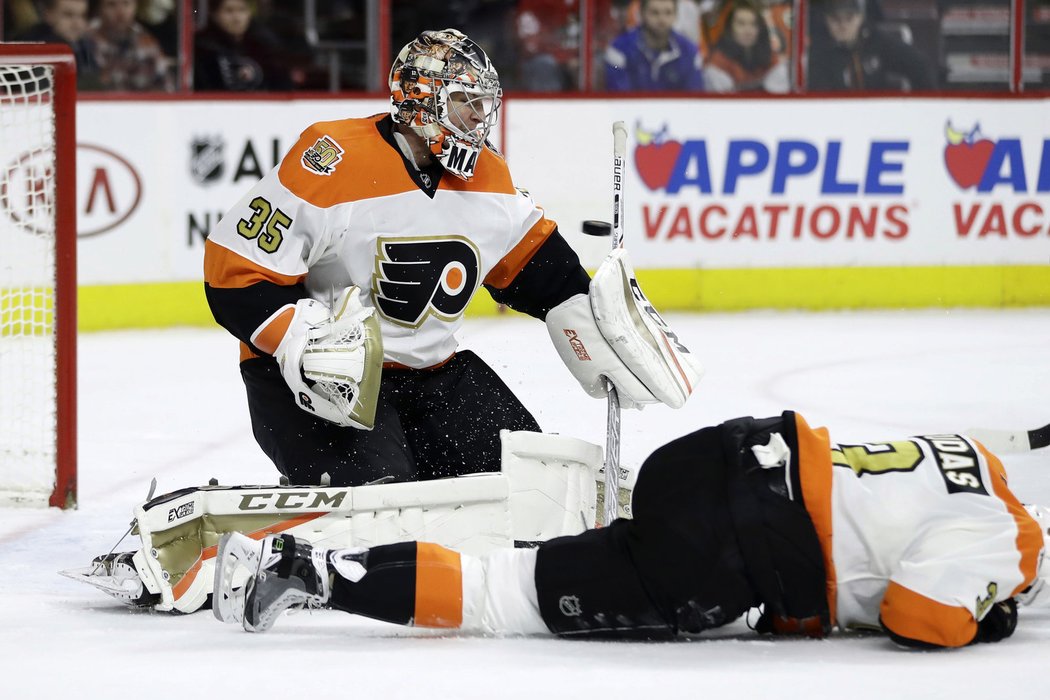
[[683, 46], [133, 45]]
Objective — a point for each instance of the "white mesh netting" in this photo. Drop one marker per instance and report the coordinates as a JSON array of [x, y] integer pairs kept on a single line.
[[27, 284]]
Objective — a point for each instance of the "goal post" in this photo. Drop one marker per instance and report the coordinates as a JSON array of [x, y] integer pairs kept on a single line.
[[38, 461]]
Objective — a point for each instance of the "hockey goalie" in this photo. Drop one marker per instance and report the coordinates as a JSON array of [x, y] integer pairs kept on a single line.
[[547, 486], [344, 273]]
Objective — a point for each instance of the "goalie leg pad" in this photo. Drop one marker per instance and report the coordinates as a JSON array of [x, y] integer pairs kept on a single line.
[[552, 484], [553, 480], [180, 531]]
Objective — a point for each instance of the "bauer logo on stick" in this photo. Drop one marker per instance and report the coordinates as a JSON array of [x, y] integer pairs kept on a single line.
[[323, 156]]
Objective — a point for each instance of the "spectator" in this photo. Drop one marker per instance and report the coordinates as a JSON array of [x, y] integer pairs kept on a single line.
[[235, 53], [19, 16], [743, 59], [65, 22], [285, 21], [548, 33], [855, 56], [714, 19], [128, 56], [653, 56], [160, 18]]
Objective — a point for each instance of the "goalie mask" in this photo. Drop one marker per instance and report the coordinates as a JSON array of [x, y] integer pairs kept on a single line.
[[443, 86]]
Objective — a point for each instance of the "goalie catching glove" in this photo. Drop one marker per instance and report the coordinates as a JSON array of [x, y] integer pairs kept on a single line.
[[613, 333], [332, 359]]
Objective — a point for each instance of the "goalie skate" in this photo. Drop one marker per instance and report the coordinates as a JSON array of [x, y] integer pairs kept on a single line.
[[116, 575]]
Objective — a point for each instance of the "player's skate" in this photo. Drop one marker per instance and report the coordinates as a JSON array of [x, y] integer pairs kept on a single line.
[[288, 573], [236, 561]]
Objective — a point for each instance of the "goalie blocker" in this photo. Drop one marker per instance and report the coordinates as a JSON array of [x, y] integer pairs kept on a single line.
[[547, 488], [614, 333]]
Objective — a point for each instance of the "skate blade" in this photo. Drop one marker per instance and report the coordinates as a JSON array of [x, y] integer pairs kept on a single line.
[[127, 590]]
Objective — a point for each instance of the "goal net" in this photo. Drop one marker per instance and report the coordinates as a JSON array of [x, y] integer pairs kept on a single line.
[[37, 275]]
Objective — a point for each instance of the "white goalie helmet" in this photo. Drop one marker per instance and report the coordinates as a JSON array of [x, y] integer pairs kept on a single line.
[[443, 86]]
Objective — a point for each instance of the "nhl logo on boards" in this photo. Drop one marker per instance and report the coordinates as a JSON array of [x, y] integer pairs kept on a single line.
[[569, 605], [206, 158], [323, 156]]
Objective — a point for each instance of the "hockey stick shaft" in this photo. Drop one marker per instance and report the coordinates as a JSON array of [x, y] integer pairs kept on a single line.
[[619, 173], [1011, 440], [612, 429]]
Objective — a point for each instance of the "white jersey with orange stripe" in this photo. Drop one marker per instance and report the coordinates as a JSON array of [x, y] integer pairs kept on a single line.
[[926, 535], [343, 209]]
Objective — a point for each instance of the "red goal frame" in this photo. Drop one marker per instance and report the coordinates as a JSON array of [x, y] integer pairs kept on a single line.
[[60, 57]]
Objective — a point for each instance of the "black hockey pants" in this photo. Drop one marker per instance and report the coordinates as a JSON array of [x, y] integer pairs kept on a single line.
[[713, 534], [429, 424]]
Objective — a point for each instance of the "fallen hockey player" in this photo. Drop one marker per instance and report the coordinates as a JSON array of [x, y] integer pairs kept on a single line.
[[920, 538]]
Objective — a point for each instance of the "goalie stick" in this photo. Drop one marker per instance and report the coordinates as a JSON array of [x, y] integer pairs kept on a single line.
[[1011, 440], [612, 435]]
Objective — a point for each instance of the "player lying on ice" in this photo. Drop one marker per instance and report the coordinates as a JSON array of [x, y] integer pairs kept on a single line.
[[920, 538]]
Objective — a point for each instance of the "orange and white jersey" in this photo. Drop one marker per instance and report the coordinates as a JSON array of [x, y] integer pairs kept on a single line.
[[921, 535], [342, 209]]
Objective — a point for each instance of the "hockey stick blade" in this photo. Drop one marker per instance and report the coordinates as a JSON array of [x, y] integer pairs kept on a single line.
[[1011, 440], [591, 227]]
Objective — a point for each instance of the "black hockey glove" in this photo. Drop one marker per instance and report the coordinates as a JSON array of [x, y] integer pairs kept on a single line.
[[999, 623]]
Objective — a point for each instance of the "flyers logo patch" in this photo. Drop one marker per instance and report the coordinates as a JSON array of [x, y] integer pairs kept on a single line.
[[415, 278], [323, 156]]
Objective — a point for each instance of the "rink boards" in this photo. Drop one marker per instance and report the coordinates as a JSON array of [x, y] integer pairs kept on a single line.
[[731, 203]]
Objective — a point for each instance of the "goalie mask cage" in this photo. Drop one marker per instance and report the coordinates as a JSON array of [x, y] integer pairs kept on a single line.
[[37, 275]]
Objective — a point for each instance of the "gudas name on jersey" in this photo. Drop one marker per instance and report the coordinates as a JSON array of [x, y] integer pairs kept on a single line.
[[954, 455]]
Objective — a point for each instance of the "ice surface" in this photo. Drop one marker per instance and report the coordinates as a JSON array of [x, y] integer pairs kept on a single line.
[[171, 405]]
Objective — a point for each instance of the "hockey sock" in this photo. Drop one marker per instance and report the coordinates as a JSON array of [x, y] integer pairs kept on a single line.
[[412, 583]]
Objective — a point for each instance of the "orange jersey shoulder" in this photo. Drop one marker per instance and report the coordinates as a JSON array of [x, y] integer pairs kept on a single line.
[[349, 160], [343, 161]]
